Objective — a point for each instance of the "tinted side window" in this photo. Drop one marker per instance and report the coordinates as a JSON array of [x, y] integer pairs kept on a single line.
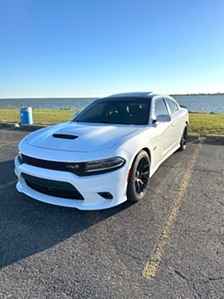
[[172, 105], [160, 107]]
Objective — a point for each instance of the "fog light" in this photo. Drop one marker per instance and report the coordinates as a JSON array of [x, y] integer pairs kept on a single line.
[[106, 195]]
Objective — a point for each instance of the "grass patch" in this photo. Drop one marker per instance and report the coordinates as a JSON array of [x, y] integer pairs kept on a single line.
[[204, 124], [40, 117], [200, 123]]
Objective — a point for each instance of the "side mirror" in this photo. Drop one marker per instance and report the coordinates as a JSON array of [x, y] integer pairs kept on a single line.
[[163, 118]]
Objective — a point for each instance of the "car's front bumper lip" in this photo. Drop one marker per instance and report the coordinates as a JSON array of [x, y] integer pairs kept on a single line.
[[89, 187]]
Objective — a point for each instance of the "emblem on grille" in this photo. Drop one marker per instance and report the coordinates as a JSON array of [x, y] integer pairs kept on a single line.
[[76, 166]]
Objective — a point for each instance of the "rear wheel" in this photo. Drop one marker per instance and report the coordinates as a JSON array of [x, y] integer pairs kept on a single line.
[[183, 140], [139, 177]]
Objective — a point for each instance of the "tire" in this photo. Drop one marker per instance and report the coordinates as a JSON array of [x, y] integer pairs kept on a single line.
[[138, 181], [183, 141]]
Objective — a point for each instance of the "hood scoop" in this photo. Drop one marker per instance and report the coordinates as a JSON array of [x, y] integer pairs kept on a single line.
[[65, 136]]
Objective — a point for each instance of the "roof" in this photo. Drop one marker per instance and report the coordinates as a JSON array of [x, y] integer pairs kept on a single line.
[[131, 94]]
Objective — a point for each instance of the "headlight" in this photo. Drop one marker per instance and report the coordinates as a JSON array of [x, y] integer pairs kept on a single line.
[[104, 165], [96, 167]]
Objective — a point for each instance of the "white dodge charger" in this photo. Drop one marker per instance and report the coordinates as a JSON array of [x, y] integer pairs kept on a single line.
[[105, 155]]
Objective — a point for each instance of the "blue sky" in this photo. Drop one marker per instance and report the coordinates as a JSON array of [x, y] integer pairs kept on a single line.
[[91, 48]]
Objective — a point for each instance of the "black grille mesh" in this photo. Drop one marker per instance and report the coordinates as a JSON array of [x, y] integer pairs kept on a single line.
[[54, 165], [52, 188]]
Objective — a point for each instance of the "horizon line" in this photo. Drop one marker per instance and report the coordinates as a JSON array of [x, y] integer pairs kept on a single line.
[[96, 97]]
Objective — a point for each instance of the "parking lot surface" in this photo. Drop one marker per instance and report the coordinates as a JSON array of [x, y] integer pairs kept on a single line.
[[170, 245]]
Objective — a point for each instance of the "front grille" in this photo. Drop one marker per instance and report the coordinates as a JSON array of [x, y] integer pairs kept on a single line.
[[76, 168], [52, 188]]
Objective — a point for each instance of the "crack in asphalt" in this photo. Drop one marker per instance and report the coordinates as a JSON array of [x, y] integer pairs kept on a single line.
[[215, 278], [191, 285]]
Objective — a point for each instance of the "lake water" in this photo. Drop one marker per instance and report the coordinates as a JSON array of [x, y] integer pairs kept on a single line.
[[196, 103]]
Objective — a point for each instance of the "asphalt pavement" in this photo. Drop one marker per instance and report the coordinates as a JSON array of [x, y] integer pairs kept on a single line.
[[170, 245]]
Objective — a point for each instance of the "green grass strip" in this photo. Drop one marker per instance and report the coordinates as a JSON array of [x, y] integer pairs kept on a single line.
[[201, 123]]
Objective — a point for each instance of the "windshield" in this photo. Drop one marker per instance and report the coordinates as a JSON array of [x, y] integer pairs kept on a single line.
[[117, 111]]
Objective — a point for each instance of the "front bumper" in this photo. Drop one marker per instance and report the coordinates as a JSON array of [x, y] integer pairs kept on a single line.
[[91, 188]]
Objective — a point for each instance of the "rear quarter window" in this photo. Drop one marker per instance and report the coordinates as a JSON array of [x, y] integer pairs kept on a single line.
[[172, 105]]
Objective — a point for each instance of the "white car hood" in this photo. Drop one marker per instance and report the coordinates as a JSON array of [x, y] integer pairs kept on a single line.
[[87, 137]]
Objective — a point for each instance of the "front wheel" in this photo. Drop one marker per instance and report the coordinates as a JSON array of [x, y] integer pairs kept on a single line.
[[139, 177], [183, 141]]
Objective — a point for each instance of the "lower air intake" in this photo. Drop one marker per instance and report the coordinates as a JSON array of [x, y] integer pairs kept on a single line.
[[52, 188]]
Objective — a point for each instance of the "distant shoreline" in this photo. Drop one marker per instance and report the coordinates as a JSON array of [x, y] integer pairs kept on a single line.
[[198, 94], [195, 103], [89, 98]]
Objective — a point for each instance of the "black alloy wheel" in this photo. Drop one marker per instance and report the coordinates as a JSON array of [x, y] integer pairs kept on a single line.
[[183, 141], [139, 177]]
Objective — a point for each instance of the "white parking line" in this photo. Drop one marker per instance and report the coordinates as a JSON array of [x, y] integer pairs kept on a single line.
[[152, 266], [9, 143], [8, 184]]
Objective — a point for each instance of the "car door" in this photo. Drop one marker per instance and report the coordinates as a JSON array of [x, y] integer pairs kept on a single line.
[[177, 123], [164, 129]]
